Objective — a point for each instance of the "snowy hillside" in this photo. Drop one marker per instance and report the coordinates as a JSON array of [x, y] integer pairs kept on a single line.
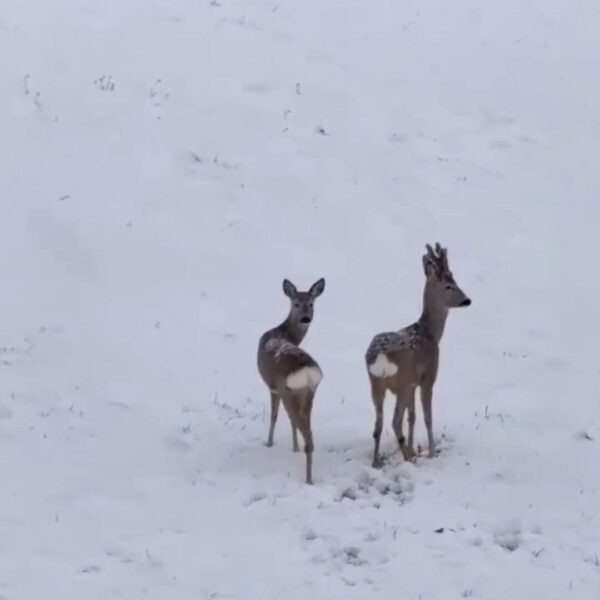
[[164, 165]]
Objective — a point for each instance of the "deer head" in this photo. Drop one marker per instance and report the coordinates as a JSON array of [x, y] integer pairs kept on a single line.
[[302, 303], [440, 281]]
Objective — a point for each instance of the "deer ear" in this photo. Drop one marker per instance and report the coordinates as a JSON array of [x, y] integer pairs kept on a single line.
[[317, 288], [289, 289]]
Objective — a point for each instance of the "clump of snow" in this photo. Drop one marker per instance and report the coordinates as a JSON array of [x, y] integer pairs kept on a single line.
[[508, 534]]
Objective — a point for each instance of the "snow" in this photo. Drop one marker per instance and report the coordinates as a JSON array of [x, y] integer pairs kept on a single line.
[[164, 165]]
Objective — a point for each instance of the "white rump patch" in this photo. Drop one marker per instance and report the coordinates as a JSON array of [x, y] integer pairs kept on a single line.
[[306, 377], [383, 366]]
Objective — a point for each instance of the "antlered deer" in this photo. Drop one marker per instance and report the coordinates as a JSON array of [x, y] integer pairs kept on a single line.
[[401, 361]]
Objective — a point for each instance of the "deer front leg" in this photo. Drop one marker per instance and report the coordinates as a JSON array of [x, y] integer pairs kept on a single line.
[[274, 412], [426, 400]]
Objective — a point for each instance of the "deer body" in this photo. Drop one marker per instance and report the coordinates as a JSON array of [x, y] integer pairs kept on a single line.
[[290, 373], [402, 361]]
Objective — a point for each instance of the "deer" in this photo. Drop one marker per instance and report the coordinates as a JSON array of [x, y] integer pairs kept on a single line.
[[290, 373], [401, 361]]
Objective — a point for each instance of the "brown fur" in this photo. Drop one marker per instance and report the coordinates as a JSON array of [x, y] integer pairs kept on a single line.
[[279, 356], [414, 354]]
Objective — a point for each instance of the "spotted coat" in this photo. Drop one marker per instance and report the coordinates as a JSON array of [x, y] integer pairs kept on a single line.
[[393, 341]]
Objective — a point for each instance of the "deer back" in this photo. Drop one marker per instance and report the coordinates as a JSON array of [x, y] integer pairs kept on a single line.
[[279, 358]]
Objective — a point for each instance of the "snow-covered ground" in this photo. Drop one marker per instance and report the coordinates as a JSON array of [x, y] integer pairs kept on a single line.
[[164, 164]]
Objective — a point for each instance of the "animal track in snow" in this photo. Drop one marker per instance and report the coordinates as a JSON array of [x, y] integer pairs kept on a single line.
[[10, 355]]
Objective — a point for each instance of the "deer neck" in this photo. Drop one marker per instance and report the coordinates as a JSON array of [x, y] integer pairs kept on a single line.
[[293, 331], [434, 315]]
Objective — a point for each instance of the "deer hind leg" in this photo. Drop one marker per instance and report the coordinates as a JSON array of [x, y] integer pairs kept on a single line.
[[299, 405], [426, 401], [295, 444], [274, 412], [403, 401], [378, 395], [411, 423], [305, 408], [291, 408]]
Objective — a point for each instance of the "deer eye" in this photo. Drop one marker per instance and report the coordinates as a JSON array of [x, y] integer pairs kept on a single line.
[[310, 305], [297, 304], [449, 287]]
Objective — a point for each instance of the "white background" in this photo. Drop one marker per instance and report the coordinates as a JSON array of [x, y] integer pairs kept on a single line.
[[164, 164]]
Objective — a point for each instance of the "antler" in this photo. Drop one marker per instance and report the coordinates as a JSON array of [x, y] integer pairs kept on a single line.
[[443, 256], [438, 258]]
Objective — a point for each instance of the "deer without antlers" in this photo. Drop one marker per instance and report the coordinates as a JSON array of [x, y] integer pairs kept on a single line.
[[290, 373], [401, 361]]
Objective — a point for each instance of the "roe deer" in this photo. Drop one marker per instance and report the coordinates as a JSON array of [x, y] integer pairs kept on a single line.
[[401, 361], [290, 373]]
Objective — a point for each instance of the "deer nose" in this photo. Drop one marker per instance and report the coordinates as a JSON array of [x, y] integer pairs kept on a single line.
[[466, 302], [305, 320]]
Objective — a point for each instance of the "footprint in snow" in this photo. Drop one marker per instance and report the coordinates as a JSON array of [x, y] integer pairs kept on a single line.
[[254, 498], [123, 556], [177, 444], [90, 569]]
